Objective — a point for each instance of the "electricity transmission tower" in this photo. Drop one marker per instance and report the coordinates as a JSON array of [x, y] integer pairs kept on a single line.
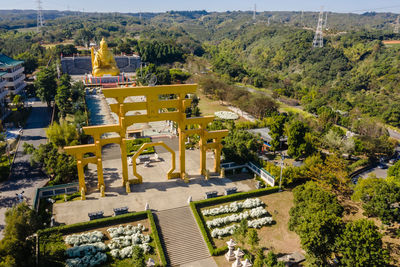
[[39, 15], [254, 12], [326, 21], [396, 26], [318, 38]]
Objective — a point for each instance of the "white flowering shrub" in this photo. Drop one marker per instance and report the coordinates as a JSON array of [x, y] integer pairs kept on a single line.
[[90, 237], [234, 207], [125, 230], [258, 223], [126, 252], [220, 232], [226, 115], [115, 253], [226, 220], [253, 213], [89, 250], [94, 260], [85, 255], [257, 212], [125, 238], [229, 230]]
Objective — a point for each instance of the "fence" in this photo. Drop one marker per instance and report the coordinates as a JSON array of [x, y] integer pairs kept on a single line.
[[266, 176], [232, 165], [56, 190]]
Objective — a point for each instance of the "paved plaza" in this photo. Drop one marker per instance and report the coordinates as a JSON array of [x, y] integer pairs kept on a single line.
[[156, 190]]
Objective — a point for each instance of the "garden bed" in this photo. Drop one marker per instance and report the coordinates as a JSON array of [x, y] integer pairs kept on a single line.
[[275, 237], [133, 145], [213, 245], [53, 246], [69, 197]]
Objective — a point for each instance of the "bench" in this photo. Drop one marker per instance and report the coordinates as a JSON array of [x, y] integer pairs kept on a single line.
[[119, 211], [144, 158], [95, 215], [211, 194], [230, 191]]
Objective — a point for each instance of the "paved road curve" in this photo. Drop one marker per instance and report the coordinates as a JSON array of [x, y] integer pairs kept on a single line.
[[23, 176]]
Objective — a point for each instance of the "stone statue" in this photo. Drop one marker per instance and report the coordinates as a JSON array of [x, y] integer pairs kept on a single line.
[[103, 63]]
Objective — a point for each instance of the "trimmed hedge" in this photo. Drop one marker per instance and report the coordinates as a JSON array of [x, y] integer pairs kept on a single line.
[[86, 226], [157, 239], [104, 222], [196, 205], [133, 145]]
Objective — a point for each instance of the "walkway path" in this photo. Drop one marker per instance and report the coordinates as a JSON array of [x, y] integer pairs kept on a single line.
[[181, 238], [23, 176]]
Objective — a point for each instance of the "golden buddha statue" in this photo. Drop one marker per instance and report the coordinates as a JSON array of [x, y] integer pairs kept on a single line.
[[103, 63]]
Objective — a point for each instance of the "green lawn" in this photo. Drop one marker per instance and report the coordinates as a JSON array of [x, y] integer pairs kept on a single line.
[[208, 106]]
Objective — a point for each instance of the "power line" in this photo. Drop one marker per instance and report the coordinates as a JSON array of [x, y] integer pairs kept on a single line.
[[39, 15], [318, 38]]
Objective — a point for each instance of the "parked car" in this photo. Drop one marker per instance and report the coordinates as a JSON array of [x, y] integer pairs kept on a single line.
[[382, 166]]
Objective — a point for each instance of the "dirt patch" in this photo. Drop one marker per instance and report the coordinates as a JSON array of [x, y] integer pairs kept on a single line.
[[391, 42], [276, 237]]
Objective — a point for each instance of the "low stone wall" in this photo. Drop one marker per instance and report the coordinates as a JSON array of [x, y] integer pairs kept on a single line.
[[83, 65]]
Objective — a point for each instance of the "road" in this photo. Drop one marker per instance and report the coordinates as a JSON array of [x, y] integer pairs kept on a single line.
[[23, 177], [393, 134], [380, 173]]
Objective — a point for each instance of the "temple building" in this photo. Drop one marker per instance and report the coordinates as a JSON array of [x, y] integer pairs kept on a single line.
[[11, 78], [101, 63]]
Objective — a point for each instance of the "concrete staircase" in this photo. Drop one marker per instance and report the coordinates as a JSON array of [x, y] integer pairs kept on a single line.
[[180, 236]]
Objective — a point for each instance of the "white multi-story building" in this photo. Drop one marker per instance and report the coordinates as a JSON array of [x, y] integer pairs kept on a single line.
[[3, 93], [3, 90], [13, 74]]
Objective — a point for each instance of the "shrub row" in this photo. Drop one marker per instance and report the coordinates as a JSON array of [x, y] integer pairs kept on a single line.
[[196, 205], [133, 145], [86, 226], [149, 150], [157, 239], [125, 218]]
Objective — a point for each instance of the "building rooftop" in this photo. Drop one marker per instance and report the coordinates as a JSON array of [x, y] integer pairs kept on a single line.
[[264, 133], [6, 61]]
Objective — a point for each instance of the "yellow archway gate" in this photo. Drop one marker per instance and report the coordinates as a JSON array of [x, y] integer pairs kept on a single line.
[[156, 109], [170, 175]]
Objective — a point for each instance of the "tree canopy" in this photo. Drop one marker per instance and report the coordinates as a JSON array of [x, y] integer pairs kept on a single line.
[[360, 244], [46, 85], [17, 245]]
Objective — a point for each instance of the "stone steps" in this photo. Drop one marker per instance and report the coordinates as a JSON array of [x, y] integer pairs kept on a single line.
[[180, 236]]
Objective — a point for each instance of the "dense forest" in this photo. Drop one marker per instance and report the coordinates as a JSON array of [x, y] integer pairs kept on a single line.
[[354, 73]]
